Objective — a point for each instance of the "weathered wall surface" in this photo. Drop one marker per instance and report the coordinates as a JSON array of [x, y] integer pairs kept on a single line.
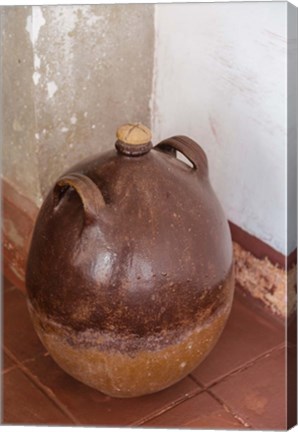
[[221, 78], [19, 147], [82, 71]]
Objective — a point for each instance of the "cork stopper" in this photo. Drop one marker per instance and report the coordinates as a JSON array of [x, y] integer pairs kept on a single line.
[[133, 139], [134, 134]]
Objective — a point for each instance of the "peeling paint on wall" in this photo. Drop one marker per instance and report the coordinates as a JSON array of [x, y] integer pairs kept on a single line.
[[19, 152], [52, 88], [34, 23]]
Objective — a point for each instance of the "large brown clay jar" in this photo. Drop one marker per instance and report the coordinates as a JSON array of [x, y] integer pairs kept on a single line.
[[130, 271]]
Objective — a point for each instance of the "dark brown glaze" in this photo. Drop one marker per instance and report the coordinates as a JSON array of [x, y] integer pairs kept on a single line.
[[160, 244], [134, 244]]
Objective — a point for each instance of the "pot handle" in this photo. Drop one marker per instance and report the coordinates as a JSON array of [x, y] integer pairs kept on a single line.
[[87, 190], [190, 149]]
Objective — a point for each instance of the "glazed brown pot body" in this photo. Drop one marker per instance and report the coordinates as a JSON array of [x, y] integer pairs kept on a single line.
[[130, 271]]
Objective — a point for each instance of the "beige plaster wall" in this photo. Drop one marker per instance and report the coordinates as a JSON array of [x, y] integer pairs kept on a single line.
[[19, 147], [71, 75]]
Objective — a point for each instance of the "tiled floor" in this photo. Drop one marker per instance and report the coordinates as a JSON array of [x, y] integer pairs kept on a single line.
[[241, 385]]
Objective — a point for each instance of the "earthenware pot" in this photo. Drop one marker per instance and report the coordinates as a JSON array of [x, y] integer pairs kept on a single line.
[[130, 271]]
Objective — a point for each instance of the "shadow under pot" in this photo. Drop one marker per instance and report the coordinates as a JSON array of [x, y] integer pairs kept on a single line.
[[130, 272]]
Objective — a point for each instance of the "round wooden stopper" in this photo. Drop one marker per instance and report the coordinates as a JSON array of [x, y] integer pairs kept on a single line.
[[134, 134]]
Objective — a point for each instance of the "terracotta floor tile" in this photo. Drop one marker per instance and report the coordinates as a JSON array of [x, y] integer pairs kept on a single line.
[[7, 363], [7, 285], [258, 393], [24, 403], [246, 336], [17, 221], [19, 335], [201, 411], [90, 407]]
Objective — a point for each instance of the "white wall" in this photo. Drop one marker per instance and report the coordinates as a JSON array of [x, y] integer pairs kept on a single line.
[[221, 78]]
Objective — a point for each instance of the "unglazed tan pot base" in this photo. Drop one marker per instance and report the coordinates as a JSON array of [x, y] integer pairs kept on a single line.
[[128, 374]]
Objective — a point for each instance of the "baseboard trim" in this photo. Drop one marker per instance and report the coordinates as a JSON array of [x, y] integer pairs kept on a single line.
[[260, 249]]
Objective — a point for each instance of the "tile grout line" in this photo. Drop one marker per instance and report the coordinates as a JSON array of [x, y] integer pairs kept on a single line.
[[44, 389], [225, 407], [239, 368], [13, 288], [251, 363], [196, 381], [31, 359], [24, 362], [229, 410], [10, 368], [9, 289], [207, 389], [166, 408]]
